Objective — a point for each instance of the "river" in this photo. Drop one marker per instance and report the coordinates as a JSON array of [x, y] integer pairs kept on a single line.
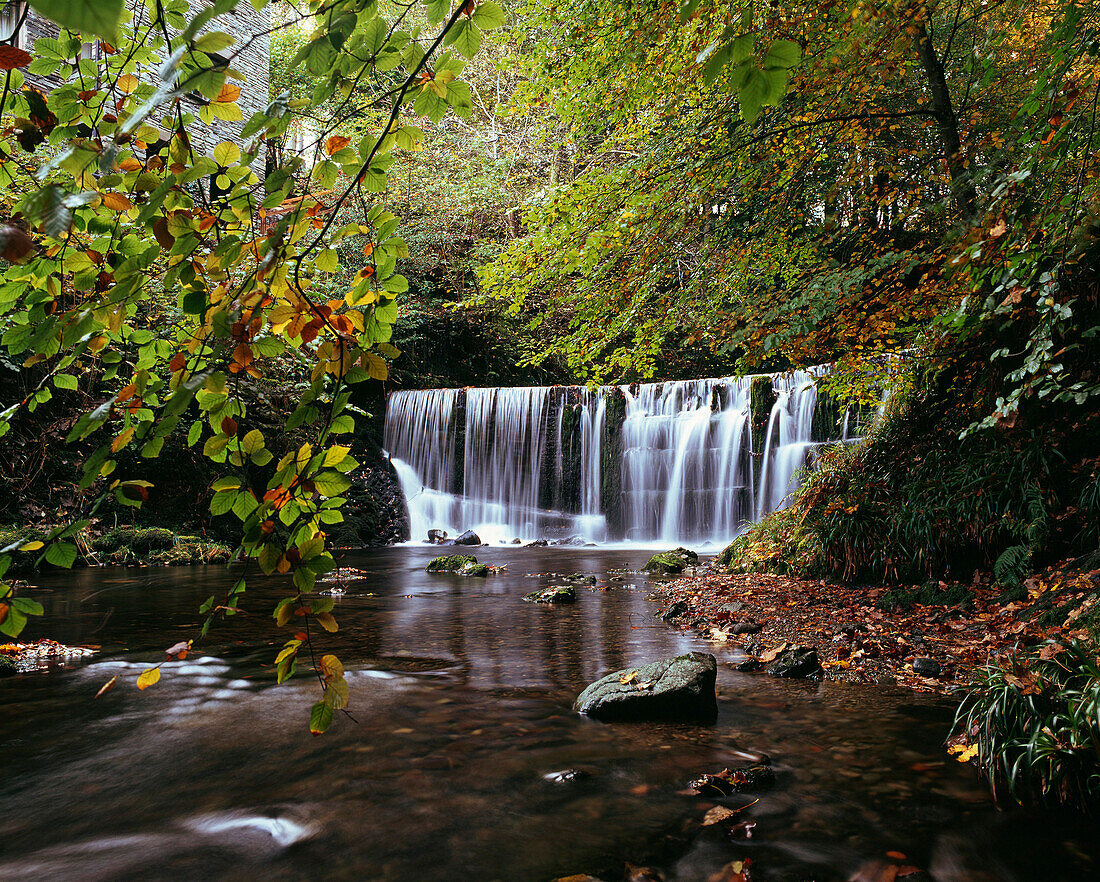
[[461, 699]]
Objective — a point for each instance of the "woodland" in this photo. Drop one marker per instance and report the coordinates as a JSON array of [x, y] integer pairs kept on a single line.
[[588, 192]]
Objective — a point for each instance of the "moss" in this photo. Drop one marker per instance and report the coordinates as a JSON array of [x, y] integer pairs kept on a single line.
[[553, 594], [450, 563], [671, 562], [140, 540], [7, 666], [474, 569]]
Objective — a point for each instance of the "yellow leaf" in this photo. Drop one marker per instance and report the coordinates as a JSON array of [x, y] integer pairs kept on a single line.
[[117, 202], [375, 366], [148, 678], [32, 546], [331, 667], [963, 753], [127, 83], [326, 621]]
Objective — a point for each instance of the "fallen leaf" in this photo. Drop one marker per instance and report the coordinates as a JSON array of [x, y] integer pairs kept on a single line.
[[178, 650], [108, 686], [771, 654], [717, 815], [624, 679]]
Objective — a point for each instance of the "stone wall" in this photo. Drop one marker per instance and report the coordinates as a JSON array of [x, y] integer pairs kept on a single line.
[[247, 57]]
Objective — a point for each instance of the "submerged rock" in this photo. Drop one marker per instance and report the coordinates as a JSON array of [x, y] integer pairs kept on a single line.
[[755, 777], [680, 688], [552, 594], [435, 537], [538, 543], [669, 563], [451, 563], [798, 661]]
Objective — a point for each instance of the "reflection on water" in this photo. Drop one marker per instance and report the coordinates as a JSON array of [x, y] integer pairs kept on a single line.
[[461, 696]]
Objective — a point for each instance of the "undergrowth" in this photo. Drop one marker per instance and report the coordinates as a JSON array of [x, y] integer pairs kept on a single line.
[[915, 501], [1032, 722]]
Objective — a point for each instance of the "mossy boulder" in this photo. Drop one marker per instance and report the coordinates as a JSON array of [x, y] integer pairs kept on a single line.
[[8, 666], [474, 569], [680, 688], [140, 540], [451, 563], [552, 594], [669, 563]]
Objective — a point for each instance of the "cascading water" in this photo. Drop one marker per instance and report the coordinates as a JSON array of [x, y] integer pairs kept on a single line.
[[655, 462], [685, 475], [787, 441]]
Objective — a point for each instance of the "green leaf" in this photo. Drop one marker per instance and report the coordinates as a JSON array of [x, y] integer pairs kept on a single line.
[[753, 93], [320, 718], [61, 554], [331, 483], [64, 381], [783, 54], [465, 37], [99, 17], [252, 441], [489, 16]]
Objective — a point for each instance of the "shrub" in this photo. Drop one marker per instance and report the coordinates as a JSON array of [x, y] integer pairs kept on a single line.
[[1034, 720]]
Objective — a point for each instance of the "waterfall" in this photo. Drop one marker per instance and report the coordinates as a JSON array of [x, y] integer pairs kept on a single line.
[[787, 441], [653, 462], [420, 435]]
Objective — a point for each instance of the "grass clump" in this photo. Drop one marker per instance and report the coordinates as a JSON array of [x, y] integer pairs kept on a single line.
[[1032, 722]]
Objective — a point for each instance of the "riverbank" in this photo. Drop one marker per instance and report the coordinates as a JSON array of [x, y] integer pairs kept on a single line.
[[929, 638]]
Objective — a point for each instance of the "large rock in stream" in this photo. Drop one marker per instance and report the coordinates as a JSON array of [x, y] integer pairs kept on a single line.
[[679, 689]]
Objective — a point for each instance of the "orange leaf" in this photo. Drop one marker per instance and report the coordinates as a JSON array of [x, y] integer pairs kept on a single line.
[[178, 362], [108, 686], [229, 93], [242, 354], [229, 426], [129, 164], [336, 142], [117, 202], [122, 439]]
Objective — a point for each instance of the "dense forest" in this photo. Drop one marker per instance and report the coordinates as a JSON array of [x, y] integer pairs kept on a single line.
[[208, 289]]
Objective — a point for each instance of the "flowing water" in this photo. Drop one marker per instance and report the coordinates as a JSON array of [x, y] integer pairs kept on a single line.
[[665, 462], [461, 699]]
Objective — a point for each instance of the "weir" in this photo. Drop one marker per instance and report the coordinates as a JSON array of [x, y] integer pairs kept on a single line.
[[681, 461]]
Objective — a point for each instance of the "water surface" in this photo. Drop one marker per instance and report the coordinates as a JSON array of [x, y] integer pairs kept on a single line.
[[461, 699]]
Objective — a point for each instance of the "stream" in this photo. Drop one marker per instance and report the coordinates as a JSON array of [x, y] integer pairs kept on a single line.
[[461, 696]]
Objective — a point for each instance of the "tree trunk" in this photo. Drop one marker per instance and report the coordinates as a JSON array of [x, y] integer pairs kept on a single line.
[[946, 123]]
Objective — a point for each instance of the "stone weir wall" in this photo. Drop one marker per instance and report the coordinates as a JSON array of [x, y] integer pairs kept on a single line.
[[679, 461]]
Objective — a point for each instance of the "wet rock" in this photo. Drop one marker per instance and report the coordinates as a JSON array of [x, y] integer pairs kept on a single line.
[[754, 777], [926, 667], [435, 537], [746, 627], [572, 541], [669, 563], [450, 563], [468, 538], [517, 541], [643, 874], [799, 661], [538, 543], [565, 776], [673, 611], [748, 665], [581, 579], [680, 688], [552, 594], [474, 569]]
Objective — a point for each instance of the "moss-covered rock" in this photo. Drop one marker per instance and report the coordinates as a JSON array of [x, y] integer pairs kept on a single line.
[[474, 569], [552, 594], [7, 666], [140, 540], [450, 563], [669, 563]]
